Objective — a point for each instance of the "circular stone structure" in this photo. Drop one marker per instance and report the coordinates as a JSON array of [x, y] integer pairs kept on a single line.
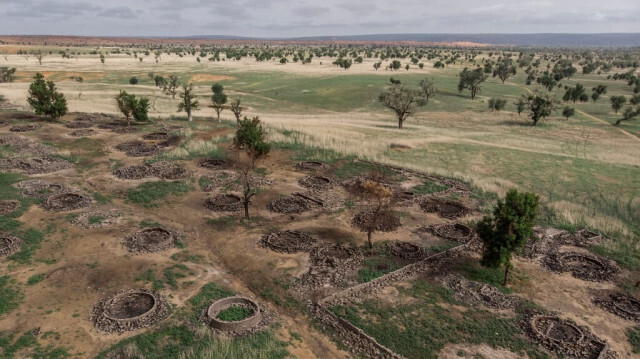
[[224, 203], [237, 327], [291, 205], [584, 266], [25, 128], [316, 183], [78, 124], [150, 240], [626, 304], [217, 179], [129, 310], [558, 330], [311, 165], [137, 148], [8, 206], [134, 172], [213, 163], [444, 208], [82, 132], [335, 256], [453, 231], [170, 171], [386, 222], [35, 165], [9, 245], [95, 219], [156, 136], [38, 188], [288, 241], [406, 250], [66, 202]]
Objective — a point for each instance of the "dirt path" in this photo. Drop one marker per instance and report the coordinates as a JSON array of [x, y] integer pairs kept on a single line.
[[625, 132]]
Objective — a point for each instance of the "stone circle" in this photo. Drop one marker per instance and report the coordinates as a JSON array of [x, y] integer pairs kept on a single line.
[[620, 304], [317, 183], [25, 128], [293, 204], [83, 132], [150, 240], [78, 124], [137, 148], [66, 201], [236, 327], [224, 203], [217, 179], [95, 219], [406, 250], [9, 205], [36, 165], [444, 208], [453, 231], [214, 163], [386, 221], [134, 172], [39, 188], [9, 245], [585, 266], [288, 241], [129, 310], [311, 165]]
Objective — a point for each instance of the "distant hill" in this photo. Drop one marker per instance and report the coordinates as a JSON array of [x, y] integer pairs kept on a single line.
[[535, 40]]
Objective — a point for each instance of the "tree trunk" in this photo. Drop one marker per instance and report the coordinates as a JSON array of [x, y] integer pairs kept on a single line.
[[507, 269], [189, 116], [400, 121], [369, 239], [246, 209]]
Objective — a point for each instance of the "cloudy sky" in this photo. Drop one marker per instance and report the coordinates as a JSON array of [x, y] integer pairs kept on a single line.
[[291, 18]]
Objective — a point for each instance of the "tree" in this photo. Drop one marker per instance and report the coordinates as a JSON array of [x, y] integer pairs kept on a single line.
[[402, 100], [540, 105], [395, 65], [575, 93], [595, 96], [159, 81], [376, 65], [504, 70], [7, 74], [188, 103], [496, 104], [236, 109], [45, 99], [617, 102], [628, 115], [428, 88], [520, 105], [635, 100], [218, 99], [39, 55], [343, 63], [568, 112], [130, 106], [284, 60], [170, 87], [507, 230], [547, 81], [250, 146], [379, 200], [563, 68], [133, 80], [102, 58], [472, 80]]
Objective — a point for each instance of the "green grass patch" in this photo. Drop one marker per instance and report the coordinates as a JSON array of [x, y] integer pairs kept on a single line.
[[429, 187], [623, 253], [35, 279], [353, 169], [377, 267], [145, 223], [96, 219], [633, 334], [13, 347], [170, 276], [208, 293], [31, 241], [223, 223], [150, 194], [234, 314], [10, 295], [422, 327], [187, 257]]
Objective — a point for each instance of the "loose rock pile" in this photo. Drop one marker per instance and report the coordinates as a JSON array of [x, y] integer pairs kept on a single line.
[[36, 165], [584, 266], [78, 124], [95, 219], [582, 238], [129, 310], [407, 250], [444, 208], [151, 240], [566, 337], [9, 245], [169, 171], [384, 222], [118, 127], [25, 128], [25, 146], [67, 201], [330, 264], [453, 231], [294, 204], [137, 148], [156, 136], [620, 304], [39, 188], [479, 293], [312, 166], [317, 183], [257, 321], [7, 206], [214, 163], [82, 133], [218, 179], [224, 203], [288, 241]]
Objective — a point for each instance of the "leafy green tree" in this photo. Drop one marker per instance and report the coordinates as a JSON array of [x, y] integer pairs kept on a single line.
[[377, 65], [540, 105], [236, 108], [563, 68], [507, 230], [575, 93], [45, 99], [343, 63], [102, 58], [428, 88], [395, 65], [402, 100], [159, 81], [170, 87], [133, 80], [595, 96], [547, 81], [472, 80], [7, 74], [505, 69], [284, 60], [568, 112], [132, 107], [617, 102], [635, 100], [628, 115], [496, 104], [218, 99], [520, 105], [189, 102], [250, 146]]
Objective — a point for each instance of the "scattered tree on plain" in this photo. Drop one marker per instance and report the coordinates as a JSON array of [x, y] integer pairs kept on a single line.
[[547, 81], [617, 102], [39, 55], [520, 105], [132, 107], [218, 99], [507, 230], [170, 87], [568, 112], [376, 65], [472, 80], [250, 147], [189, 102], [45, 99], [575, 93], [7, 74], [402, 100], [628, 115], [496, 104], [236, 108], [428, 88], [505, 69], [540, 105]]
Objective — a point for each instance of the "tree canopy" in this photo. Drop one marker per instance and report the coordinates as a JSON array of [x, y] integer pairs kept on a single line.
[[472, 80], [45, 99]]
